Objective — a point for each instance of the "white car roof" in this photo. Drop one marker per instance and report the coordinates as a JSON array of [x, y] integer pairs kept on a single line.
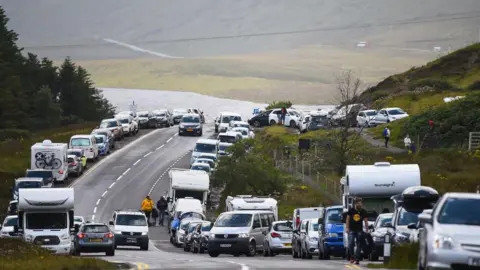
[[240, 128], [75, 150], [392, 108], [229, 114], [240, 122], [71, 156], [191, 114], [83, 136], [370, 110], [228, 133], [200, 164], [109, 119], [123, 116], [129, 212], [207, 141]]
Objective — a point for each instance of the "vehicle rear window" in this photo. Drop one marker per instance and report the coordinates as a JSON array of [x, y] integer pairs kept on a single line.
[[227, 139], [76, 153], [42, 174], [80, 142], [283, 227], [70, 160], [10, 222], [99, 139], [205, 148], [96, 229], [108, 124], [201, 168]]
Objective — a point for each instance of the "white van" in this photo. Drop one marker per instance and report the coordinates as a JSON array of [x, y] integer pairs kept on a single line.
[[50, 156], [188, 204], [87, 143], [204, 146]]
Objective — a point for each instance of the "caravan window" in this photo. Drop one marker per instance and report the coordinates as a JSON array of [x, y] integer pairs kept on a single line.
[[43, 221], [189, 193], [80, 142]]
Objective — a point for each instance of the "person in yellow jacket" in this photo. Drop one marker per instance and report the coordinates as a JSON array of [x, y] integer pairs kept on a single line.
[[147, 207]]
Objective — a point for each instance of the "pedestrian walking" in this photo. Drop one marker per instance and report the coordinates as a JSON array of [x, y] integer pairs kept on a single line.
[[408, 142], [147, 207], [386, 135], [284, 114], [154, 216], [356, 226], [162, 206]]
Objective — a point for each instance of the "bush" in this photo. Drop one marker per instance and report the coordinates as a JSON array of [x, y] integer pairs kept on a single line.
[[474, 86], [437, 84], [14, 134], [403, 257], [18, 255], [279, 104]]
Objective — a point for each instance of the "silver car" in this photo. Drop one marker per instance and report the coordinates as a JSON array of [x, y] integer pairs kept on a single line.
[[74, 165], [450, 237], [278, 239], [309, 241]]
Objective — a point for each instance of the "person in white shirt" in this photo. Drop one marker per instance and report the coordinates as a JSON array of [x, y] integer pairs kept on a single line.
[[386, 135], [407, 141]]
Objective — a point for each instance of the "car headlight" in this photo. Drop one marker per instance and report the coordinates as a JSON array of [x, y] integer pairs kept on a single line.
[[443, 242], [243, 235], [314, 239], [28, 238], [332, 235], [144, 233]]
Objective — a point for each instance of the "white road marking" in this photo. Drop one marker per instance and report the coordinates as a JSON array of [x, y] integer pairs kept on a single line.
[[161, 176], [244, 266], [125, 172], [138, 49], [111, 185], [116, 153], [95, 210], [169, 139], [93, 218], [176, 134], [147, 154], [120, 177], [160, 147], [136, 162], [104, 193], [98, 202]]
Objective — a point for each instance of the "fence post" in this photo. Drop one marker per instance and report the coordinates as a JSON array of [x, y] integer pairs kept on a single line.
[[470, 138]]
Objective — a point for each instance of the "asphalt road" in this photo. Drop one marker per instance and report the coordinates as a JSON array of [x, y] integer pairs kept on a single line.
[[123, 179], [88, 29]]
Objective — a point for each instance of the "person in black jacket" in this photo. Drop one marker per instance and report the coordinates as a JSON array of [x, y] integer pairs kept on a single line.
[[154, 216], [355, 227], [162, 205]]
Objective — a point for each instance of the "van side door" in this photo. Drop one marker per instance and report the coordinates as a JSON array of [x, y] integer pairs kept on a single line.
[[265, 224], [256, 230]]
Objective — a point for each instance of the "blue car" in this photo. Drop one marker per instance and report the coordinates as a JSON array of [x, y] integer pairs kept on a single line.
[[331, 233], [103, 144]]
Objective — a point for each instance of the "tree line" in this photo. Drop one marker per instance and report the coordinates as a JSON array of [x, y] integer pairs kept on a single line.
[[36, 95]]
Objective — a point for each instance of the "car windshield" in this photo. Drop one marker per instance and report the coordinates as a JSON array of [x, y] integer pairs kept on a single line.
[[405, 218], [76, 153], [223, 147], [43, 221], [108, 124], [201, 168], [206, 227], [80, 142], [228, 119], [190, 119], [226, 138], [131, 220], [460, 211], [371, 113], [395, 112], [70, 160], [28, 184], [124, 121], [243, 125], [234, 220], [205, 148], [77, 219], [283, 227], [10, 222], [40, 174], [99, 139], [334, 216], [145, 114], [314, 226], [192, 227], [383, 221], [96, 229]]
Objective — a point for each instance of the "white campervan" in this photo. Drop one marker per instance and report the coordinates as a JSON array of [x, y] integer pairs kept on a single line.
[[204, 146], [225, 119], [46, 217], [50, 156], [86, 142], [188, 183], [250, 203]]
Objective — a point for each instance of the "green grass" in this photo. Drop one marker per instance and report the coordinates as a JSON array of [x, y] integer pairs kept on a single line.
[[15, 154], [18, 255]]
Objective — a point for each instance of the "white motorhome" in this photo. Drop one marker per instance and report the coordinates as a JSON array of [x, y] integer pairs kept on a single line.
[[376, 184], [188, 183], [50, 156], [249, 203], [46, 217]]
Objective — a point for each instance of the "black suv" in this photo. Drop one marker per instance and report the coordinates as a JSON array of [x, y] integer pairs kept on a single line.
[[190, 124]]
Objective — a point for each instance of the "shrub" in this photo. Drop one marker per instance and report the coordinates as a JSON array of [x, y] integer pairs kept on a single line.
[[474, 86], [14, 134], [279, 104], [437, 84]]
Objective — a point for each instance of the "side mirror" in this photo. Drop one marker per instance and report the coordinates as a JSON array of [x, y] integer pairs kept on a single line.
[[111, 222], [425, 218], [412, 226], [388, 225]]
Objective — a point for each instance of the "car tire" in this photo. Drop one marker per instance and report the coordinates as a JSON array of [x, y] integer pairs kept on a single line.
[[294, 252], [201, 133], [213, 254], [373, 256], [293, 124], [252, 249], [272, 122], [110, 252], [256, 124], [76, 253], [265, 251], [78, 173], [201, 250], [144, 246]]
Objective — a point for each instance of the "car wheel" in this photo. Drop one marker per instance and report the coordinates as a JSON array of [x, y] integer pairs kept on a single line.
[[265, 251], [294, 252], [213, 254], [252, 249], [201, 250], [272, 122], [293, 124], [186, 248], [144, 246], [373, 256], [256, 124], [201, 133], [110, 252]]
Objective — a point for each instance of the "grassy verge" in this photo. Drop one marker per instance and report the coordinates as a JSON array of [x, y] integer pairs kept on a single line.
[[404, 257], [15, 154], [18, 255]]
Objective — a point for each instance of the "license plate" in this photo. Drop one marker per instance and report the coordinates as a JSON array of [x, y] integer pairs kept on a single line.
[[189, 129], [96, 240], [131, 240], [225, 245], [287, 244], [474, 261]]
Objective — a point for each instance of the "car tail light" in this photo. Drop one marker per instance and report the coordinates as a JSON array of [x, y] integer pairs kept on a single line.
[[297, 221], [82, 235], [275, 235], [109, 235], [60, 171]]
